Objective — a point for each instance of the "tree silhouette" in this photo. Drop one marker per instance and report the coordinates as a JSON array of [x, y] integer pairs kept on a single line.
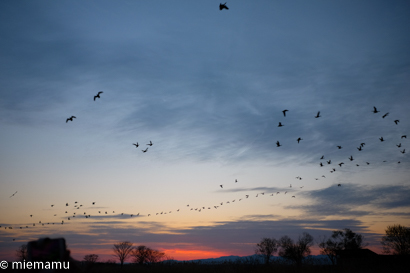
[[340, 240], [91, 258], [295, 251], [267, 247], [143, 254], [396, 240], [122, 250], [21, 252]]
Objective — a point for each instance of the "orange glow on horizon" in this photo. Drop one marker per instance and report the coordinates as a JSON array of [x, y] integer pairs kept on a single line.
[[186, 255]]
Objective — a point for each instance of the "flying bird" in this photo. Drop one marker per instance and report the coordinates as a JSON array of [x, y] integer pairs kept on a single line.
[[359, 148], [318, 115], [329, 161], [385, 115], [404, 150], [299, 139], [221, 186], [340, 147], [70, 118], [278, 144], [223, 6], [98, 95], [136, 145], [399, 145], [404, 136], [339, 185], [396, 121], [381, 139], [375, 110], [351, 158], [144, 151], [322, 157], [150, 143], [13, 194], [280, 124], [284, 112]]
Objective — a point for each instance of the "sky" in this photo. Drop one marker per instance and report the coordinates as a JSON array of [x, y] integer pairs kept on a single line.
[[207, 88]]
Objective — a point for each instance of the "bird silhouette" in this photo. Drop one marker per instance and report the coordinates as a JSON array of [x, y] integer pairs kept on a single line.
[[280, 124], [322, 157], [399, 145], [144, 151], [385, 115], [351, 158], [236, 180], [284, 112], [340, 147], [381, 139], [150, 143], [375, 110], [362, 144], [396, 121], [341, 163], [318, 115], [136, 145], [404, 136], [70, 118], [13, 194], [404, 150], [339, 185], [299, 139], [359, 148], [98, 95], [278, 144], [329, 161], [223, 6], [221, 186]]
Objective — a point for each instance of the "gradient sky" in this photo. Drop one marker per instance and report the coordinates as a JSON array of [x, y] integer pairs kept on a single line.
[[207, 87]]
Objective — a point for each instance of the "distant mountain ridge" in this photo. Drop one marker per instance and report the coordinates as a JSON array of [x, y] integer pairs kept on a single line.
[[316, 259]]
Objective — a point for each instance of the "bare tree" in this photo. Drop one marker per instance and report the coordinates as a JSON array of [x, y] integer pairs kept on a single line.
[[143, 254], [295, 251], [267, 247], [21, 252], [122, 250], [340, 240], [91, 258], [396, 240]]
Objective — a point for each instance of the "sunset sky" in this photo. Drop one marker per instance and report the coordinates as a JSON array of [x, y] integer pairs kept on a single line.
[[208, 88]]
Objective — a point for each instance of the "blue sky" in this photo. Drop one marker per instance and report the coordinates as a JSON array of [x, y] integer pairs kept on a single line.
[[207, 87]]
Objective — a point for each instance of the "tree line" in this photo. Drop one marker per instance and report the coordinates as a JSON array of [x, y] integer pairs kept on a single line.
[[396, 241]]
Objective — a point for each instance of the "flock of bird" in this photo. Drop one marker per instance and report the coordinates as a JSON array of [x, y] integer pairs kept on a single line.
[[68, 213]]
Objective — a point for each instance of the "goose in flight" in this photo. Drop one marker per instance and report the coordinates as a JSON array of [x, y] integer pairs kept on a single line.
[[321, 164], [396, 121], [375, 110], [223, 6], [284, 112], [385, 115], [381, 139], [404, 136], [13, 194], [278, 144], [136, 145], [362, 144], [98, 95], [340, 147], [236, 180], [280, 124], [299, 139], [359, 148], [221, 186], [70, 118], [404, 150], [150, 143], [144, 151], [318, 115], [351, 158], [341, 163], [329, 161], [399, 145], [339, 185]]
